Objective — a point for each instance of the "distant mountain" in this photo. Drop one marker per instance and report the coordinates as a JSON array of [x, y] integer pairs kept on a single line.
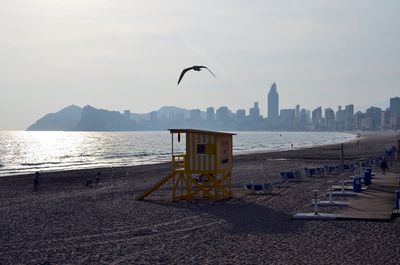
[[74, 118], [63, 120], [165, 111], [103, 120]]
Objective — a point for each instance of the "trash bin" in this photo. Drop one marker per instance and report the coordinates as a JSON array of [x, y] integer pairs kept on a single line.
[[367, 178], [356, 184]]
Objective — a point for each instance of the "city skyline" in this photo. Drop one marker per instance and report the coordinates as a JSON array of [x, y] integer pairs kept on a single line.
[[344, 118]]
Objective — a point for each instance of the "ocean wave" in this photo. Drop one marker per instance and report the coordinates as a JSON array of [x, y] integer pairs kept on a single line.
[[136, 155], [40, 163], [65, 156], [85, 155]]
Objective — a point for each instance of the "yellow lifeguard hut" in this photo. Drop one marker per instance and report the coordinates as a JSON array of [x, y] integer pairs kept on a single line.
[[205, 168]]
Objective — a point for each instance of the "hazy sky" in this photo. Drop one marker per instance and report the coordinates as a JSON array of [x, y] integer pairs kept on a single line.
[[118, 55]]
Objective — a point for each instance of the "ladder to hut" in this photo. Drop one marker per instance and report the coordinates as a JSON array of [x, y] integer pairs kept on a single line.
[[203, 171]]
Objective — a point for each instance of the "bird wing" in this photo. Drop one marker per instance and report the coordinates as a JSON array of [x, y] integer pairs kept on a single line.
[[183, 72], [207, 69]]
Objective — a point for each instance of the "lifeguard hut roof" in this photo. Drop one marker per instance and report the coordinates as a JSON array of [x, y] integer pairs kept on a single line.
[[198, 131]]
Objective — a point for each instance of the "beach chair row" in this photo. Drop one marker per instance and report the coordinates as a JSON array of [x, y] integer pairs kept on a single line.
[[263, 187], [316, 172], [287, 176]]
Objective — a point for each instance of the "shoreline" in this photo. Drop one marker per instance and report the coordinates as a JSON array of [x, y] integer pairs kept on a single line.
[[314, 155], [103, 168]]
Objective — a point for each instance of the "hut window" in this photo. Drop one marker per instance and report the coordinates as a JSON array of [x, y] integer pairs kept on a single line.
[[224, 161], [201, 149]]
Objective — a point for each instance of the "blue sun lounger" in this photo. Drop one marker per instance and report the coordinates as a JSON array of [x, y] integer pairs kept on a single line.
[[314, 172], [290, 175], [259, 187]]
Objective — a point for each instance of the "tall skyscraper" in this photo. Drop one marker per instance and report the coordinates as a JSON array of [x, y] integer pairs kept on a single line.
[[329, 119], [317, 116], [210, 114], [254, 111], [386, 120], [297, 111], [303, 118], [339, 118], [273, 103], [349, 117]]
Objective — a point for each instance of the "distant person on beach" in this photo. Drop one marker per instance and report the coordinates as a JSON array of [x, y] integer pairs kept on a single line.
[[36, 181], [98, 177], [384, 166]]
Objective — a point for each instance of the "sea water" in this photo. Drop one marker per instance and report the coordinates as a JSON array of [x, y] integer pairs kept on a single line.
[[25, 152]]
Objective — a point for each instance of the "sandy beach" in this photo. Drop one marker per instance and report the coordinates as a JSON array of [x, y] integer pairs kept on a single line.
[[65, 222]]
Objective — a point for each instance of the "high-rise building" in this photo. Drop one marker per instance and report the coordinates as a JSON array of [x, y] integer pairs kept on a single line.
[[297, 111], [273, 103], [287, 117], [329, 119], [349, 117], [297, 116], [339, 114], [195, 114], [386, 120], [374, 116], [367, 123], [340, 118], [308, 116], [358, 117], [210, 114], [395, 121], [317, 116], [303, 118], [222, 113], [254, 112], [395, 105]]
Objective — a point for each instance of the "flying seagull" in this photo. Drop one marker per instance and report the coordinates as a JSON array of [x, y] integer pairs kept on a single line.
[[195, 68]]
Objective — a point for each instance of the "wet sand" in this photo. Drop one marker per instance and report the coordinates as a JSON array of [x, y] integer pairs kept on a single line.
[[65, 222]]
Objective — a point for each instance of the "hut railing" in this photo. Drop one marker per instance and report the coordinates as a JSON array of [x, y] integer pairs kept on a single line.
[[178, 162]]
